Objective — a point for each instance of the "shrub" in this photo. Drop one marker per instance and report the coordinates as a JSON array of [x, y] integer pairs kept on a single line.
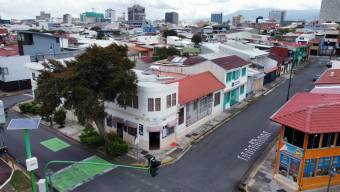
[[90, 137], [59, 117], [30, 107], [117, 146]]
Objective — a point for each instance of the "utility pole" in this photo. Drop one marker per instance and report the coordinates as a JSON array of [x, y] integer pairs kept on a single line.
[[290, 80]]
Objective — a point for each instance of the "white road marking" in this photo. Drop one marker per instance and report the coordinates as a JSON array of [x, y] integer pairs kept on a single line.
[[254, 145], [28, 95]]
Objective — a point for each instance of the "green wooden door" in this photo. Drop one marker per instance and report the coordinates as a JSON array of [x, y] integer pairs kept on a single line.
[[234, 97], [226, 100]]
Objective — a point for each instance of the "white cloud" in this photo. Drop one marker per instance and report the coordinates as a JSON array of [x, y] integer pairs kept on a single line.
[[188, 9]]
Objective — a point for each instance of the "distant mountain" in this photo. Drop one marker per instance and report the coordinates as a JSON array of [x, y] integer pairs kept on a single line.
[[309, 14]]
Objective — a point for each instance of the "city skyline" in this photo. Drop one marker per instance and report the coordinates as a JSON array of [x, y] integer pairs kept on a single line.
[[154, 9]]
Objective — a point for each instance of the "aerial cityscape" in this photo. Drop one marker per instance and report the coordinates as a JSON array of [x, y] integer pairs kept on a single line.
[[170, 96]]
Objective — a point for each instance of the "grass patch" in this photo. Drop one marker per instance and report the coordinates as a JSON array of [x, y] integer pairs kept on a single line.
[[20, 181]]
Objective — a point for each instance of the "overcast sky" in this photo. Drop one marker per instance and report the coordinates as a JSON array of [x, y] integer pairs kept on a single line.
[[187, 9]]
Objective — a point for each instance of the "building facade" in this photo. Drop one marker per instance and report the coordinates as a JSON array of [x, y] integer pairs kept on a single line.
[[278, 15], [38, 44], [309, 146], [67, 18], [110, 14], [230, 70], [238, 20], [91, 17], [43, 16], [171, 17], [330, 11], [216, 18], [136, 16]]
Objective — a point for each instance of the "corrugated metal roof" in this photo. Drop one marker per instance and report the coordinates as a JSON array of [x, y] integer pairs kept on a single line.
[[230, 62], [197, 86], [311, 113]]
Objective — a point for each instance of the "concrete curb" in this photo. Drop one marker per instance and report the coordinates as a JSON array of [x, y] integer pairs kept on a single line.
[[10, 177]]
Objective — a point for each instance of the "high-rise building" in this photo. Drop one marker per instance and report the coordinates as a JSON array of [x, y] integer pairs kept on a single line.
[[171, 17], [278, 15], [136, 16], [91, 17], [110, 14], [330, 11], [238, 20], [43, 16], [217, 18], [67, 18]]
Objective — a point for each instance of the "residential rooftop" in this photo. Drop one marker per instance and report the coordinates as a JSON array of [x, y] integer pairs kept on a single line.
[[311, 113], [329, 77]]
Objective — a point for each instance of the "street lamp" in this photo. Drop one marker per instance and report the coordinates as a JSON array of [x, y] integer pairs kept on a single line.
[[26, 125]]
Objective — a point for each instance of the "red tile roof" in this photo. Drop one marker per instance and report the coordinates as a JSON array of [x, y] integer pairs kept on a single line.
[[230, 62], [311, 113], [331, 76], [197, 86], [9, 50]]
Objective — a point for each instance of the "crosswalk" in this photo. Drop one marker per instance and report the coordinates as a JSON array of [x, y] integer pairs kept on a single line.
[[254, 145]]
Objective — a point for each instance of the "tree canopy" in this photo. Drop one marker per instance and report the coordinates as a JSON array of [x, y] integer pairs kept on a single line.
[[84, 84], [197, 39], [164, 53]]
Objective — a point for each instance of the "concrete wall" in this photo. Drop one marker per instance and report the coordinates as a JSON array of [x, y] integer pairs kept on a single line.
[[15, 68]]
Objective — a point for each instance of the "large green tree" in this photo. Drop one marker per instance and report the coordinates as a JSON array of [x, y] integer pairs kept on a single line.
[[91, 79]]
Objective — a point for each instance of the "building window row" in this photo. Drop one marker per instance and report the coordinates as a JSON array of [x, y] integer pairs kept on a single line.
[[325, 140], [321, 166], [235, 75]]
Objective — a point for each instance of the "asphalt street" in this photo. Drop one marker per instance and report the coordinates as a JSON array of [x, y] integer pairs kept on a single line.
[[15, 142], [211, 165]]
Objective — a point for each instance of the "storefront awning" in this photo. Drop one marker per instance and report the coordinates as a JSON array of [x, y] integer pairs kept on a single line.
[[131, 124], [158, 128]]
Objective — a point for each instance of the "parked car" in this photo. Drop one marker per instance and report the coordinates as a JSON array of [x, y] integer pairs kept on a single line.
[[316, 77]]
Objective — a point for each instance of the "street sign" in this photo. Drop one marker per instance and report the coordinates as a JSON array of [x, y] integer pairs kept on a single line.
[[32, 164], [17, 124]]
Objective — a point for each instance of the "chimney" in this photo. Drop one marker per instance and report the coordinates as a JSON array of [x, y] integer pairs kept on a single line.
[[332, 74]]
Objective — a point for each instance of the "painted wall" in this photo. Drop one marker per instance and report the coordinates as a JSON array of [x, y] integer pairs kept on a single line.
[[15, 68]]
